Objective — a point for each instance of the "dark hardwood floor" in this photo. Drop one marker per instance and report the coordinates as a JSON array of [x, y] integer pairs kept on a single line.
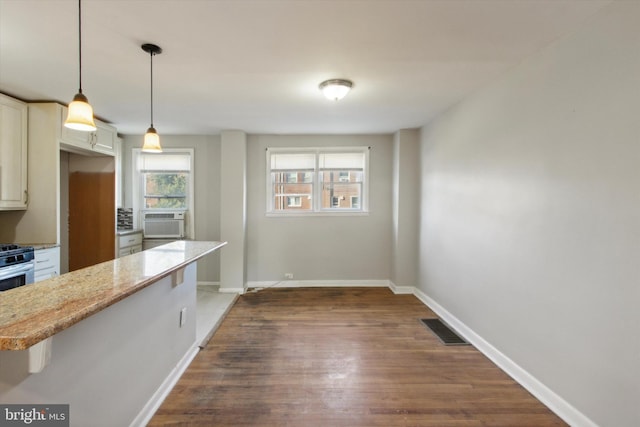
[[342, 357]]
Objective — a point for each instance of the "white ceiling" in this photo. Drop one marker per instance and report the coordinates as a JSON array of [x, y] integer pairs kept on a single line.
[[256, 65]]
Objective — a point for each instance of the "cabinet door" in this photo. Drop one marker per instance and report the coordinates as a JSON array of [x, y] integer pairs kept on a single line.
[[128, 244], [47, 263], [72, 137], [13, 154], [124, 252], [130, 240], [92, 218], [101, 141], [105, 139]]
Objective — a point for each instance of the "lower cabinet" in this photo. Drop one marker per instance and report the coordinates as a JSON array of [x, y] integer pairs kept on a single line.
[[47, 263], [129, 243]]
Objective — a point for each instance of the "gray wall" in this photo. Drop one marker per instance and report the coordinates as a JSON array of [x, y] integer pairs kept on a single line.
[[530, 223], [320, 247], [406, 207], [206, 190]]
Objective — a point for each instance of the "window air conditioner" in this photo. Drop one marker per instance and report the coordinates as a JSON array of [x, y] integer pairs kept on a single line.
[[163, 225]]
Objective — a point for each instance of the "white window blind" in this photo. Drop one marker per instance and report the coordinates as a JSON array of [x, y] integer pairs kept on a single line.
[[341, 161], [176, 162], [293, 162]]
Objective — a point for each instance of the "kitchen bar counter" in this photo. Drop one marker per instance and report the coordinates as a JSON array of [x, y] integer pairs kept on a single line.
[[32, 313]]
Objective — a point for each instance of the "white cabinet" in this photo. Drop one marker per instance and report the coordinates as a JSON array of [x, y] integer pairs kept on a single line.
[[128, 243], [13, 154], [101, 141], [47, 263]]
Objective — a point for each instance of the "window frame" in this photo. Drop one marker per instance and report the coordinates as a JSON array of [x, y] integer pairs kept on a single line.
[[316, 184], [137, 194]]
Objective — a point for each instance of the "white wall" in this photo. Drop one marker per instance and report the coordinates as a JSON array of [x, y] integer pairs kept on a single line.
[[207, 189], [530, 216], [320, 247]]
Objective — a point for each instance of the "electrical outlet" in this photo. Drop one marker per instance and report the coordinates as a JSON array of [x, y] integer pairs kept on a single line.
[[183, 316], [288, 275]]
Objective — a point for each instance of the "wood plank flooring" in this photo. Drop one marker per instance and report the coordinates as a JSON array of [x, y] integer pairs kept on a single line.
[[342, 357]]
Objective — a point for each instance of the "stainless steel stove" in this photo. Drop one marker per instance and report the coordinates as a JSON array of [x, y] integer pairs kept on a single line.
[[16, 266]]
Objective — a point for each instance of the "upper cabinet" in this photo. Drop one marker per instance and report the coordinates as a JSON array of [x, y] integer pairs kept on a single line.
[[100, 142], [13, 154]]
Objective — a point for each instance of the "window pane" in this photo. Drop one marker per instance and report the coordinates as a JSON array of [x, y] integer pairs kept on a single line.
[[292, 190], [165, 190], [341, 189]]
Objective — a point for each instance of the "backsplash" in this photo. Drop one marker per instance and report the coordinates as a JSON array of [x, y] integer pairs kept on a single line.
[[125, 219]]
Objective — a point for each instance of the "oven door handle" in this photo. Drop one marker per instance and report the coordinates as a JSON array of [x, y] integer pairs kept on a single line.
[[16, 270]]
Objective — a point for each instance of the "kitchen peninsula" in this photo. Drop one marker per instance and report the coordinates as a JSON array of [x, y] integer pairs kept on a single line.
[[110, 340]]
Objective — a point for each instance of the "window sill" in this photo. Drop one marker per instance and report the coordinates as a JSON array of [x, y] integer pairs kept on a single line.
[[313, 214]]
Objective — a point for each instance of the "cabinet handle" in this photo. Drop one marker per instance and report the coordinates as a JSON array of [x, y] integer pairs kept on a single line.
[[26, 197], [92, 139]]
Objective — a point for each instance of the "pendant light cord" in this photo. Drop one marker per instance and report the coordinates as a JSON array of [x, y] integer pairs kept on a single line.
[[80, 44], [151, 53]]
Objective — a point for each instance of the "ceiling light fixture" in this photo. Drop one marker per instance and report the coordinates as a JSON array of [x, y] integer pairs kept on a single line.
[[80, 115], [335, 89], [151, 138]]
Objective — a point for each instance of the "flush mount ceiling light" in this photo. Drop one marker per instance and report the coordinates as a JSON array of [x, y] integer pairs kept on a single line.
[[151, 138], [80, 115], [335, 89]]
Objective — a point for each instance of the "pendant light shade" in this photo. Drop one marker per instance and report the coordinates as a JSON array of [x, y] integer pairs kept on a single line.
[[80, 115], [335, 89], [151, 142], [151, 138]]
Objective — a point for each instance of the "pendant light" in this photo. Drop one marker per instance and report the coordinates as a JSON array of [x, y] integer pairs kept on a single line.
[[80, 115], [151, 138]]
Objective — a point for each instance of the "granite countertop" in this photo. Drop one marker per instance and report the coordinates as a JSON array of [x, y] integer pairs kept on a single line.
[[32, 313], [124, 232], [37, 246]]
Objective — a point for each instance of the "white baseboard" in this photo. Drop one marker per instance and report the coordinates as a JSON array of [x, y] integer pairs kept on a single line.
[[208, 283], [317, 284], [401, 289], [232, 290], [162, 392], [549, 398]]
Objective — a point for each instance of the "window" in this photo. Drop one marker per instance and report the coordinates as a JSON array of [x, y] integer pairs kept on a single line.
[[294, 202], [317, 180], [291, 177], [164, 182], [355, 201]]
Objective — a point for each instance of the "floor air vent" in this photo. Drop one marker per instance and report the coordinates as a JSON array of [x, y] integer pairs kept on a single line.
[[443, 332]]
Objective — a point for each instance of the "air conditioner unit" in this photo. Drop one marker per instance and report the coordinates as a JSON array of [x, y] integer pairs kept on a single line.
[[165, 225]]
